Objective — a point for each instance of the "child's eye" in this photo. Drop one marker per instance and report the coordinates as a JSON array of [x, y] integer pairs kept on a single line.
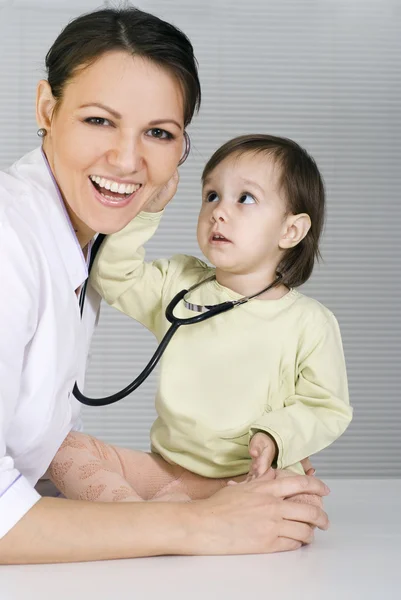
[[100, 121], [247, 199], [160, 134], [212, 197]]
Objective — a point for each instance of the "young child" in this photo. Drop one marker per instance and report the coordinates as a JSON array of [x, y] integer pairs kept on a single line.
[[263, 384]]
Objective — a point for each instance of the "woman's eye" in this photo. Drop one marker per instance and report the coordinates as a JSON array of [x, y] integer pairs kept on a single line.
[[247, 199], [212, 197], [97, 121], [160, 134]]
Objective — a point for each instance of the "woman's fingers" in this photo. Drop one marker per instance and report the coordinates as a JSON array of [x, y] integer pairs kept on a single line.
[[298, 484], [255, 517], [310, 514], [298, 532], [284, 544]]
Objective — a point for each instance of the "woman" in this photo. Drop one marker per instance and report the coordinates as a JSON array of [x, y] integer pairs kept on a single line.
[[122, 86]]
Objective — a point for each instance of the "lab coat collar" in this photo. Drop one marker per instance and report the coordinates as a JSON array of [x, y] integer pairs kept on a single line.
[[34, 169]]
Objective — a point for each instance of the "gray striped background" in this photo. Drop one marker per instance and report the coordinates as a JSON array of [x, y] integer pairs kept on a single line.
[[326, 73]]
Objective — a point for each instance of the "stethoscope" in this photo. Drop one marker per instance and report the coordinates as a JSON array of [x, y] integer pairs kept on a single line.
[[204, 313]]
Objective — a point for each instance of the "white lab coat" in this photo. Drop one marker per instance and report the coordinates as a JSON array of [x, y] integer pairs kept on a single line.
[[43, 342]]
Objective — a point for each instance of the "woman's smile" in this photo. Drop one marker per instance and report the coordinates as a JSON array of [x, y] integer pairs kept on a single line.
[[112, 193]]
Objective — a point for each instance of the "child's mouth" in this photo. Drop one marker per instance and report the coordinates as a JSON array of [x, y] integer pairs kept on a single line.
[[218, 238]]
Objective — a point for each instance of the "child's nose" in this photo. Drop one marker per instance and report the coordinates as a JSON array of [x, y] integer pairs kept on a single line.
[[219, 213]]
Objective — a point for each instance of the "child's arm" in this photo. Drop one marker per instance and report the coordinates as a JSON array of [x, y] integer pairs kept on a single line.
[[119, 273], [319, 411], [121, 276]]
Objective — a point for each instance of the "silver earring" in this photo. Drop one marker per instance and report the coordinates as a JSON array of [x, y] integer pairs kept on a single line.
[[41, 132]]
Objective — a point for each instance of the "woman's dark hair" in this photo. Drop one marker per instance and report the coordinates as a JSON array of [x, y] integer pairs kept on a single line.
[[302, 185], [91, 35]]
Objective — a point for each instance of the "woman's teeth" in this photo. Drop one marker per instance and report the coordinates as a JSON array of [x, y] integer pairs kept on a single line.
[[113, 186]]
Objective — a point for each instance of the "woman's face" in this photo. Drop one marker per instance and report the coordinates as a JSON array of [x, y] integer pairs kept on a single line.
[[114, 140]]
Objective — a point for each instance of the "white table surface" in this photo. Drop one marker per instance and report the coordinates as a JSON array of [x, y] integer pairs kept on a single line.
[[359, 558]]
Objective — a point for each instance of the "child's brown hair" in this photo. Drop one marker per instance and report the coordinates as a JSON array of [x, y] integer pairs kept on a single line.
[[303, 188]]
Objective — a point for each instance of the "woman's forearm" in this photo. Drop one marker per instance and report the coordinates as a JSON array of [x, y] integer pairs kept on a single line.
[[250, 518], [57, 530]]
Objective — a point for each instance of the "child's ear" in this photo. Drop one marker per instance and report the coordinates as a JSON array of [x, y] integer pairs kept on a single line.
[[296, 228]]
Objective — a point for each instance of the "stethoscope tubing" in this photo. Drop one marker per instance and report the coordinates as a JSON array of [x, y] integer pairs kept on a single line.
[[207, 313], [107, 400]]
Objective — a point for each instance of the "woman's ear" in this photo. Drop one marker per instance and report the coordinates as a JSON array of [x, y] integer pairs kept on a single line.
[[45, 104], [297, 227]]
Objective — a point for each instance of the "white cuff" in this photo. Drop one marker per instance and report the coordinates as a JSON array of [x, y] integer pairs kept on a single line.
[[15, 502]]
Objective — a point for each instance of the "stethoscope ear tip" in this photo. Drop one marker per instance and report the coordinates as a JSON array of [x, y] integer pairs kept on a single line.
[[186, 150]]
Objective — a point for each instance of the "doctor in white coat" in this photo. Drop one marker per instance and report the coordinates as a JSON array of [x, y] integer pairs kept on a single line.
[[122, 86]]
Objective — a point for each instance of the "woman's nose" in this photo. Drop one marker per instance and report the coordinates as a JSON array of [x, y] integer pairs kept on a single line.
[[127, 155]]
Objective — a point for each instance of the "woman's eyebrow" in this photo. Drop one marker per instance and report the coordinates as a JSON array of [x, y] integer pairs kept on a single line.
[[163, 121], [117, 115]]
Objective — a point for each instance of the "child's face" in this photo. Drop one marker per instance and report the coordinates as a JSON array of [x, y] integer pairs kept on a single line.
[[243, 216]]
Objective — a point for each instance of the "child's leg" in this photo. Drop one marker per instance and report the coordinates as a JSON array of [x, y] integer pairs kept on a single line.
[[85, 468], [153, 478], [171, 482]]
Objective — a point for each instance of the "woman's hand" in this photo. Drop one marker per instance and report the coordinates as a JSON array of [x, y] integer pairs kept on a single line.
[[159, 200], [314, 499], [259, 516]]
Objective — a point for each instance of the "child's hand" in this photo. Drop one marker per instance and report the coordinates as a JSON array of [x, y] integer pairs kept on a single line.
[[262, 449], [162, 197], [308, 467]]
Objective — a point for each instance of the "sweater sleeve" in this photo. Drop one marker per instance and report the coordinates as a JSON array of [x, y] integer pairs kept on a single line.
[[319, 410], [123, 278]]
